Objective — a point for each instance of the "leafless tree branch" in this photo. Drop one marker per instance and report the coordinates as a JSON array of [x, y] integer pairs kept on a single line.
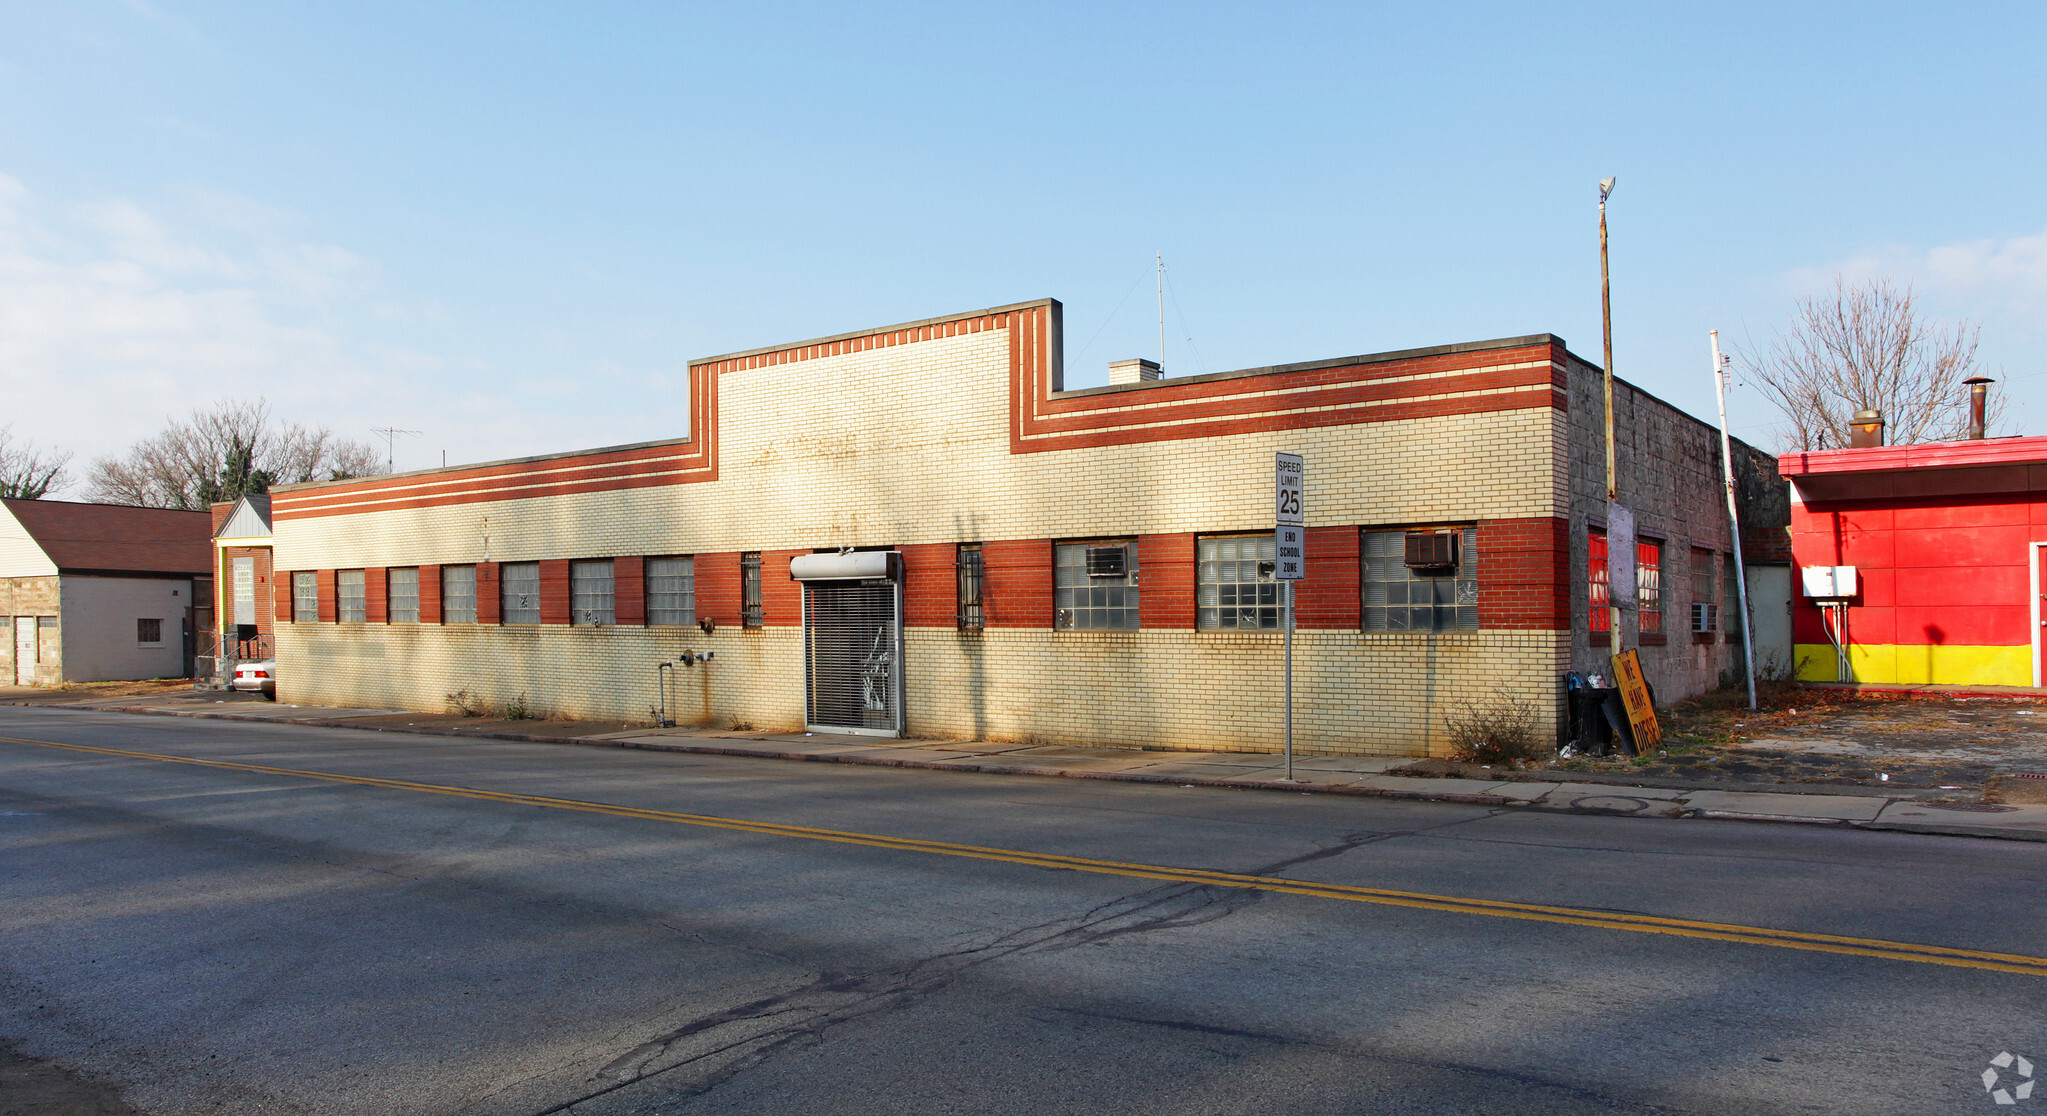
[[1866, 347], [28, 473], [222, 454]]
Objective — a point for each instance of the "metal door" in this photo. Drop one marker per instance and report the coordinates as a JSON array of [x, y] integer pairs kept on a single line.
[[25, 651], [853, 656]]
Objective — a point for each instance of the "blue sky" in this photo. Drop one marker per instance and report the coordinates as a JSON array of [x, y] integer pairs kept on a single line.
[[510, 226]]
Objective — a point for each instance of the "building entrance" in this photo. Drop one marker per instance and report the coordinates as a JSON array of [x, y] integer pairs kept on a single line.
[[852, 642]]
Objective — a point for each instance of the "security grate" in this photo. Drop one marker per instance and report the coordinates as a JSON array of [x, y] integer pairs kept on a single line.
[[853, 641]]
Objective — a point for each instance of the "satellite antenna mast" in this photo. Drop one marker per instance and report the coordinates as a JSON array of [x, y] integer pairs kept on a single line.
[[1162, 309], [391, 434]]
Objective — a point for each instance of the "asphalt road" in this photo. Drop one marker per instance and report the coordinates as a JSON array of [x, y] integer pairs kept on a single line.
[[672, 933]]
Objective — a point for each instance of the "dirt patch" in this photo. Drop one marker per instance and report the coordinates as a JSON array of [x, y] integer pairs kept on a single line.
[[33, 1087], [88, 691], [1813, 736]]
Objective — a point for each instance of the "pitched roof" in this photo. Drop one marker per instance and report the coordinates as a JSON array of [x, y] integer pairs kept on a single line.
[[83, 538]]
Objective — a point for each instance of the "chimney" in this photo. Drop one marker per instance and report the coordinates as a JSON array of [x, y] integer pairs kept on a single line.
[[1866, 429], [1979, 392], [1136, 370]]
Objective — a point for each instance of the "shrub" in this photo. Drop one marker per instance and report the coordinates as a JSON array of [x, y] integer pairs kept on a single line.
[[519, 709], [467, 704], [1502, 731]]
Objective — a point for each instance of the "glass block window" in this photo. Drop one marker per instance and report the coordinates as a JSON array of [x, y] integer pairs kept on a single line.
[[590, 592], [1649, 585], [458, 594], [351, 597], [671, 591], [971, 615], [1597, 572], [1436, 599], [1231, 592], [519, 586], [1094, 585], [751, 613], [403, 596], [305, 597]]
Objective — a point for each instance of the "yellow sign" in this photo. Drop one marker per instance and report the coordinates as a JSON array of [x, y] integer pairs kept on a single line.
[[1627, 674]]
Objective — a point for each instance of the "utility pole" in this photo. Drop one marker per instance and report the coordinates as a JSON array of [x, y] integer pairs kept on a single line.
[[1748, 648], [391, 434], [1612, 481]]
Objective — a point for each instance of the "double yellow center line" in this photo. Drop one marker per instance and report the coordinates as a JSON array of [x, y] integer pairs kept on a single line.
[[1532, 912]]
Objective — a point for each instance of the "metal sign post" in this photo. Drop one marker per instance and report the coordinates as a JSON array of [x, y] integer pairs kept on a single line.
[[1289, 515]]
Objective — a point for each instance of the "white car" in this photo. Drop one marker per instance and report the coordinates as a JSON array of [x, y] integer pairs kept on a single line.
[[258, 676]]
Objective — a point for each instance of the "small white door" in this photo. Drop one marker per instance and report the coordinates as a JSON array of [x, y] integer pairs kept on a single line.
[[25, 650]]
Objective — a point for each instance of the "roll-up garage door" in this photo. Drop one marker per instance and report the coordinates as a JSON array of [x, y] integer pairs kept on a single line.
[[853, 643]]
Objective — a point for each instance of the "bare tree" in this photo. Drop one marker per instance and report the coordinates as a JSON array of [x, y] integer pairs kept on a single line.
[[28, 473], [1866, 347], [225, 453]]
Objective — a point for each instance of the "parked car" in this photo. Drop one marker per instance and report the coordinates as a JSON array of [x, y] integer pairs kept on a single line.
[[258, 676]]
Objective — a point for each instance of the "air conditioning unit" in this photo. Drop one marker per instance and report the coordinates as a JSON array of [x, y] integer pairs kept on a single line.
[[1705, 617], [1431, 550], [1107, 561]]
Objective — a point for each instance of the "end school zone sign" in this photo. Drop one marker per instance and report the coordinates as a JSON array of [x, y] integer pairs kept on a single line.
[[1289, 516]]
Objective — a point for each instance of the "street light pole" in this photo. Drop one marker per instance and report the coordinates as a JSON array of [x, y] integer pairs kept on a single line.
[[1612, 483]]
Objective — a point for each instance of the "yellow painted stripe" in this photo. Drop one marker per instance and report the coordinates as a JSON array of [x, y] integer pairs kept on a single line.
[[1534, 912]]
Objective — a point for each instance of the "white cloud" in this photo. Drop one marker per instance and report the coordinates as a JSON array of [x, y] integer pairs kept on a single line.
[[1992, 278]]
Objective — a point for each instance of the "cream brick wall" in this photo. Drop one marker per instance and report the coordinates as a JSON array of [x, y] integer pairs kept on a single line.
[[909, 445], [1354, 693]]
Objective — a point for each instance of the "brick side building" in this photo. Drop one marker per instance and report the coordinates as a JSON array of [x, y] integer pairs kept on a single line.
[[985, 553], [93, 592]]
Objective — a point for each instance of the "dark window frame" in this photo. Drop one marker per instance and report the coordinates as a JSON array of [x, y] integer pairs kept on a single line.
[[970, 574], [752, 613]]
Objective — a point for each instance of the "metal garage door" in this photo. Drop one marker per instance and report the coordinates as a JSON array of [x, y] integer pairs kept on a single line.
[[853, 656]]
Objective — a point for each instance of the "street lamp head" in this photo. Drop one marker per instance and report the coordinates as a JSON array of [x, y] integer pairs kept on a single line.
[[1606, 187]]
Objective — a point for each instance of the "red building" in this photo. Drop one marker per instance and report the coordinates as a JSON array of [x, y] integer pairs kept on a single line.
[[1945, 542]]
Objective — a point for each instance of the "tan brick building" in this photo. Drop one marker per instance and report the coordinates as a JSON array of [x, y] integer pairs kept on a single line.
[[1020, 560]]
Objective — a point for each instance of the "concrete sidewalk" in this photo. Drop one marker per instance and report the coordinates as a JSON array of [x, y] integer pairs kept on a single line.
[[1355, 775]]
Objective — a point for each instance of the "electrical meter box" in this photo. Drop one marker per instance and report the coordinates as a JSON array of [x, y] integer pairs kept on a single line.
[[1829, 582]]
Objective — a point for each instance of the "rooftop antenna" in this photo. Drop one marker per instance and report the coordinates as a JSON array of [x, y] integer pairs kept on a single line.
[[391, 434], [1162, 309]]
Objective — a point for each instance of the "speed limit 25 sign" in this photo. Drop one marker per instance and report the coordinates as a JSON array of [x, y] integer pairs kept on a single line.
[[1289, 515]]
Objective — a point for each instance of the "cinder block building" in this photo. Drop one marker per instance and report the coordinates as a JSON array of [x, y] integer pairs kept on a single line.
[[95, 592], [920, 530]]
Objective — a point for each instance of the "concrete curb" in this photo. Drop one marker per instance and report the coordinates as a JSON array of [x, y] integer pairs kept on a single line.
[[1673, 809]]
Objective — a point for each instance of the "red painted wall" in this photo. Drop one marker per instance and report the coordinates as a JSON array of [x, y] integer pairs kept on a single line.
[[1946, 570]]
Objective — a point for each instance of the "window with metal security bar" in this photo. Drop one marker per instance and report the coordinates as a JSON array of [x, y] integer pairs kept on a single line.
[[751, 614], [590, 592], [305, 597], [1705, 610], [519, 589], [1234, 587], [1433, 598], [1599, 617], [149, 632], [458, 594], [971, 617], [402, 596], [351, 597], [1649, 588], [1086, 595], [671, 592]]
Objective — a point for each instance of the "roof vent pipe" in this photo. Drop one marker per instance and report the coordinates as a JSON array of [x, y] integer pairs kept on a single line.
[[1979, 392], [1866, 429]]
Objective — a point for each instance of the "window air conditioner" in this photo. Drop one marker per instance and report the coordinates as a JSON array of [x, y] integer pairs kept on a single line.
[[1106, 561], [1705, 617], [1431, 550]]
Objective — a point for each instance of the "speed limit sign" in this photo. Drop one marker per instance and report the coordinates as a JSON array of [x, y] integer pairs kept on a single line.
[[1289, 513]]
